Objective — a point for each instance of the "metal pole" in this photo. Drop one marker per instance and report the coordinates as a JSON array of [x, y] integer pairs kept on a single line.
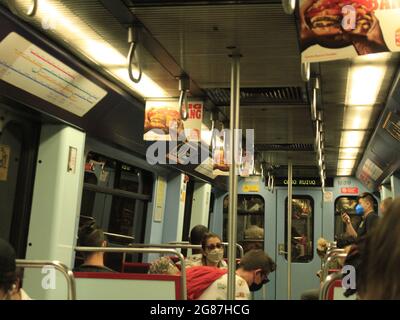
[[289, 232], [234, 146], [69, 276]]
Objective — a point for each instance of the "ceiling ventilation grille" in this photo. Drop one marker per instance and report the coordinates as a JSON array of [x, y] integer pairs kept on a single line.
[[254, 96], [285, 147]]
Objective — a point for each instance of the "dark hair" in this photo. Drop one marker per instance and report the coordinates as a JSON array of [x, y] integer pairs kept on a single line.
[[207, 236], [90, 235], [368, 197], [383, 258], [197, 233], [257, 259]]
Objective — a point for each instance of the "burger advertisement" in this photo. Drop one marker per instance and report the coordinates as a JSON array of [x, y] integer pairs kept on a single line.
[[163, 121], [341, 29]]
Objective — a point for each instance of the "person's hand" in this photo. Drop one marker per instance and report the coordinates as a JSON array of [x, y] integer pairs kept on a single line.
[[370, 42], [307, 37], [345, 218]]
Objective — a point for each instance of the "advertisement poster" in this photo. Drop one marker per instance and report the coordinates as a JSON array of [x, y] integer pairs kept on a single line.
[[341, 29], [163, 121]]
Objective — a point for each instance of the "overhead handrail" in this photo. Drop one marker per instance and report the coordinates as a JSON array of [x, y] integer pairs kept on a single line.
[[145, 250], [133, 39], [187, 245], [323, 294], [67, 273], [330, 259]]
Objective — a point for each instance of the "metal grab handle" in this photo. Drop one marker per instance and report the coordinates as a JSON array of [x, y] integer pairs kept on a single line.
[[323, 294], [145, 250], [67, 273], [30, 13], [132, 54], [325, 268]]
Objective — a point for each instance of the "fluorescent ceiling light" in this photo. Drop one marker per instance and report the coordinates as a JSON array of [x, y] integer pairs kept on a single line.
[[357, 118], [344, 172], [351, 139], [364, 84], [382, 57], [348, 153], [346, 164], [73, 30]]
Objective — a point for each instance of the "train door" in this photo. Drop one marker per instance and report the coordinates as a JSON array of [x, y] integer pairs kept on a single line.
[[306, 229], [18, 151]]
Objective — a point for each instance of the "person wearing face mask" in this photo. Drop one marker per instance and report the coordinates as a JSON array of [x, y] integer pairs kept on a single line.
[[364, 208], [212, 252], [209, 283], [9, 279]]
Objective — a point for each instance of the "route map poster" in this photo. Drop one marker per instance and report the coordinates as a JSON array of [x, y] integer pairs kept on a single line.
[[29, 68]]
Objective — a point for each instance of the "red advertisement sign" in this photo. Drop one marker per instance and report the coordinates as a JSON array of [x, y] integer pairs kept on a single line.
[[347, 190]]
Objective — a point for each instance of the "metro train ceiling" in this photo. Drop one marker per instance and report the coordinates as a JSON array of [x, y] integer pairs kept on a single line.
[[197, 35]]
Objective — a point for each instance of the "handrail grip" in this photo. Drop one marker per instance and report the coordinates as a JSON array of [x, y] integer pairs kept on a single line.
[[145, 250], [330, 259], [68, 274], [117, 235], [187, 245], [329, 280]]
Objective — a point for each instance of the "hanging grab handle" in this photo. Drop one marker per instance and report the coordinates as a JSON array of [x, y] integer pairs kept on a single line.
[[184, 86], [133, 39]]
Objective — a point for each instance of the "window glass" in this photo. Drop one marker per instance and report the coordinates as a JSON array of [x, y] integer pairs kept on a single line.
[[302, 245]]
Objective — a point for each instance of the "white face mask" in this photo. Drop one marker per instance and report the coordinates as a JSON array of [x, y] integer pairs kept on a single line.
[[215, 255]]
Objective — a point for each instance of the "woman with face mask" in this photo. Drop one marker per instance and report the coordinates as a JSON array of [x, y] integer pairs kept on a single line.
[[213, 251]]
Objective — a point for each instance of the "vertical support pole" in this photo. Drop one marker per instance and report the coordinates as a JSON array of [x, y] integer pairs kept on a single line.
[[289, 232], [234, 146]]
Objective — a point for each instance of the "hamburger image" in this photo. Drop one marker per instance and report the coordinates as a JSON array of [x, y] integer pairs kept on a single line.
[[364, 18], [218, 160], [324, 17], [163, 119]]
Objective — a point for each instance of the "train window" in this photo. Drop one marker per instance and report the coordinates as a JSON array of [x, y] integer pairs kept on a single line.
[[302, 245], [250, 221], [115, 195]]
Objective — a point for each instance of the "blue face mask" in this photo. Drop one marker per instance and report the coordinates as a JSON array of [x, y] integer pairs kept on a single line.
[[359, 210]]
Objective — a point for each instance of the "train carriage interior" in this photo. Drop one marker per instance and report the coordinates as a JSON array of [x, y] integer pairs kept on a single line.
[[273, 108]]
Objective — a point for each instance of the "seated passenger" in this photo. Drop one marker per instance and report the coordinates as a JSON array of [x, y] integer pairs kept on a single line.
[[163, 265], [10, 280], [212, 252], [208, 283], [381, 260], [92, 236], [196, 235]]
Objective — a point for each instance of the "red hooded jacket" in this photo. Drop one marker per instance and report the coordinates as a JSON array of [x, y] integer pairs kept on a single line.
[[199, 278]]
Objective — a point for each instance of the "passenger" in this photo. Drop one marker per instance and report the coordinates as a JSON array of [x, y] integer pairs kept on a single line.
[[385, 204], [10, 279], [92, 236], [381, 259], [196, 234], [208, 283], [212, 252], [163, 265], [365, 208]]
